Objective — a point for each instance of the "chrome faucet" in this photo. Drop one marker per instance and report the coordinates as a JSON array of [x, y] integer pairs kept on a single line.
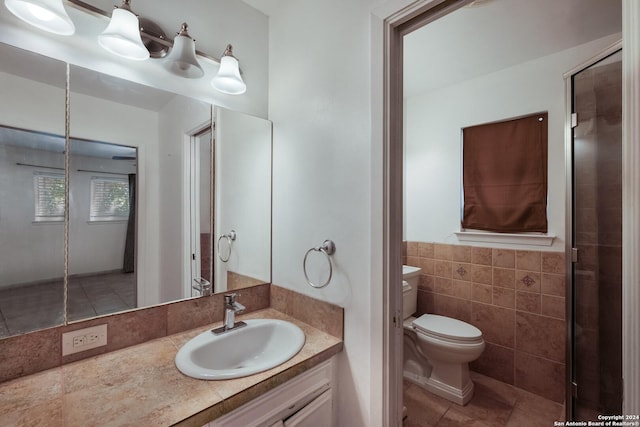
[[203, 286], [231, 307]]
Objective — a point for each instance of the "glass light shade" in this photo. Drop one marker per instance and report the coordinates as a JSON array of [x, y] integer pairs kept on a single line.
[[47, 15], [122, 36], [182, 58], [228, 79]]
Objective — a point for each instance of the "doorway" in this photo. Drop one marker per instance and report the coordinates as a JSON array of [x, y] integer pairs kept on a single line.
[[595, 275], [396, 24], [200, 178]]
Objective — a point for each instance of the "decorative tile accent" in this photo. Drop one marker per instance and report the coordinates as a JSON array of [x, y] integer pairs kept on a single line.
[[461, 271], [527, 281]]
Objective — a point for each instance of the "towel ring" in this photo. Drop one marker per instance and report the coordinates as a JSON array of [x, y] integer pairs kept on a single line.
[[230, 238], [328, 248]]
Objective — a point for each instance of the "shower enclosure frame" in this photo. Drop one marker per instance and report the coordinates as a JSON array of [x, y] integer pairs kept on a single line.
[[571, 252]]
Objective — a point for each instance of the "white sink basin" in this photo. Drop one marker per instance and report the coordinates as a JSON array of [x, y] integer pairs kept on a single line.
[[262, 344]]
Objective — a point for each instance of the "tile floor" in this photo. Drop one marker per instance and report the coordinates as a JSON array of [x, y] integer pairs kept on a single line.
[[494, 404], [40, 305]]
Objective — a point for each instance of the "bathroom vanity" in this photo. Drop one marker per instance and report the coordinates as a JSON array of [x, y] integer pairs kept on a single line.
[[141, 385]]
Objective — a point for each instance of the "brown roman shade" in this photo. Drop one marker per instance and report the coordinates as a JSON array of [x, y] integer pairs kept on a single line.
[[505, 175]]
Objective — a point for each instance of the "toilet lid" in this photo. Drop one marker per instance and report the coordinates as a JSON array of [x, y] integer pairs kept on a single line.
[[446, 327]]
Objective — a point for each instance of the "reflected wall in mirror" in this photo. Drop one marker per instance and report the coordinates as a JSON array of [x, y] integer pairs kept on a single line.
[[32, 196], [243, 200]]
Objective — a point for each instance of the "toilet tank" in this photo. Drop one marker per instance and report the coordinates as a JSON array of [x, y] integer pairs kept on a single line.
[[410, 280]]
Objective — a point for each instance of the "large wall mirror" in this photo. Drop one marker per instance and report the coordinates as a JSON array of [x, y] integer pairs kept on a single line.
[[157, 185]]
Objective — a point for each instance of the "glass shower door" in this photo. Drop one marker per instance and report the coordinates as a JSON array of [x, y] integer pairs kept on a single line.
[[596, 365]]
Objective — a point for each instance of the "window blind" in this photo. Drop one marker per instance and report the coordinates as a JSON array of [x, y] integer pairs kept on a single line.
[[109, 199], [49, 194], [505, 175]]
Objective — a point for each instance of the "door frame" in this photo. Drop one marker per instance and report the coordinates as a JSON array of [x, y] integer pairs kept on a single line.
[[569, 223], [389, 22], [190, 220]]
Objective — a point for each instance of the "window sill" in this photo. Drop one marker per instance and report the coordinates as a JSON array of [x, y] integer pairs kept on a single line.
[[506, 238], [102, 222]]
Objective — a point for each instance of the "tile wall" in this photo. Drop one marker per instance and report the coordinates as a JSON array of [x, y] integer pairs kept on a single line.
[[516, 298]]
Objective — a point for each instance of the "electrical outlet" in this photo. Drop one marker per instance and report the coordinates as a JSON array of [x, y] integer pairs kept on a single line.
[[79, 340], [84, 339]]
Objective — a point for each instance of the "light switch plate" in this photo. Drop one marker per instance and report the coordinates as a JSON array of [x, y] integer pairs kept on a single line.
[[84, 339]]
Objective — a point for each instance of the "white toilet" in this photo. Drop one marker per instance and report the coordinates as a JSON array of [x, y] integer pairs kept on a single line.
[[437, 349]]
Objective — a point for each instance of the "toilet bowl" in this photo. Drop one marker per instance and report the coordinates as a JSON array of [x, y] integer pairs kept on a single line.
[[438, 349]]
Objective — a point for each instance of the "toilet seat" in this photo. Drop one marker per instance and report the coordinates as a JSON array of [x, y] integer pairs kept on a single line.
[[447, 328]]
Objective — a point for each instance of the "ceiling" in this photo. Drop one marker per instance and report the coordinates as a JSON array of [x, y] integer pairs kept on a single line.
[[497, 34], [56, 143]]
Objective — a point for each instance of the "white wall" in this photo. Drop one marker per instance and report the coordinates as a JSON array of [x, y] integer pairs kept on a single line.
[[178, 120], [433, 144], [243, 195], [319, 102]]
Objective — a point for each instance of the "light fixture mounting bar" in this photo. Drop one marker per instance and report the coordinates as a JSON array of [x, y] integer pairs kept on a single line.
[[97, 12]]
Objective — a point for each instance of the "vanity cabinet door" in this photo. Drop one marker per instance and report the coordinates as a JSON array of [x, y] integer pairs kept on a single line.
[[318, 413], [305, 400]]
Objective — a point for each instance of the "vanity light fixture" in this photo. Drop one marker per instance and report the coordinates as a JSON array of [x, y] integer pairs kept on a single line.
[[47, 15], [228, 79], [122, 35], [182, 58]]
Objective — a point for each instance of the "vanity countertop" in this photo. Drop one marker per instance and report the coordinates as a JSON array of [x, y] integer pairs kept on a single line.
[[141, 385]]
